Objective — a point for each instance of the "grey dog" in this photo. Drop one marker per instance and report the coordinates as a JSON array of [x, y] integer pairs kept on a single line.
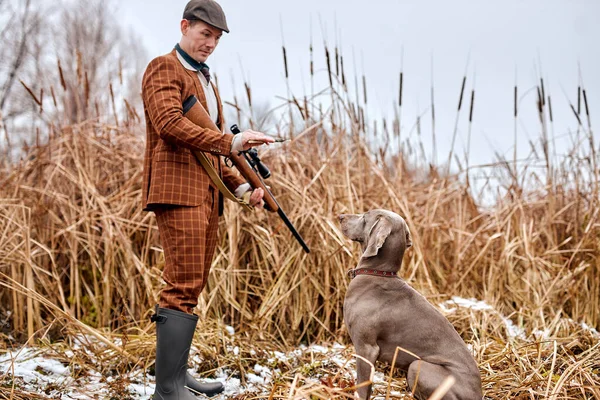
[[382, 312]]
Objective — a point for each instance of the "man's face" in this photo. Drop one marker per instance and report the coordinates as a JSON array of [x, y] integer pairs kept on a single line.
[[199, 39]]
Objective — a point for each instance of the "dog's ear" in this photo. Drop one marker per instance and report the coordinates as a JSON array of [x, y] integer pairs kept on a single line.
[[408, 236], [380, 230]]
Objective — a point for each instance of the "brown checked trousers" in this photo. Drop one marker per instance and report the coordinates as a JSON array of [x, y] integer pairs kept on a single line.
[[175, 186]]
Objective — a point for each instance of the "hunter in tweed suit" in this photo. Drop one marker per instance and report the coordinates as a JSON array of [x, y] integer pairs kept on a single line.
[[186, 202]]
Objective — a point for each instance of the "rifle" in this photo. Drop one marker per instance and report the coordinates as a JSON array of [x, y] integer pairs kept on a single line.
[[247, 162]]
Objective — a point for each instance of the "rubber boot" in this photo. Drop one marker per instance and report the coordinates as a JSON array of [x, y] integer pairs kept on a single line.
[[207, 388], [174, 333]]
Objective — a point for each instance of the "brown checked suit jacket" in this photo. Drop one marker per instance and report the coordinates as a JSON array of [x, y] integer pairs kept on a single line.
[[172, 174]]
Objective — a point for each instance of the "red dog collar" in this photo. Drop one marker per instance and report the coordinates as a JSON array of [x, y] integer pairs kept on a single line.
[[365, 271]]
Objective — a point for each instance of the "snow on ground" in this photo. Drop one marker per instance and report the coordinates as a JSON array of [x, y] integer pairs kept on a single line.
[[39, 371]]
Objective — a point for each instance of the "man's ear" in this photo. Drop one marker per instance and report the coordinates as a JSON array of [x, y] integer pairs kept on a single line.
[[184, 26], [380, 230]]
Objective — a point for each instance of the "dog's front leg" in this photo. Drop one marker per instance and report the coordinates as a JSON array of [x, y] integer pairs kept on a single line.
[[364, 369]]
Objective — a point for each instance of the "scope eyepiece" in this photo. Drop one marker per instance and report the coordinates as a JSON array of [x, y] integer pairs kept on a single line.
[[234, 129]]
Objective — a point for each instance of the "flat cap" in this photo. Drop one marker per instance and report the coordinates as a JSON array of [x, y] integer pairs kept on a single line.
[[208, 11]]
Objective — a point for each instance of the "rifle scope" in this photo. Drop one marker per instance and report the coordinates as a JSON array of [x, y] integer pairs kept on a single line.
[[252, 157]]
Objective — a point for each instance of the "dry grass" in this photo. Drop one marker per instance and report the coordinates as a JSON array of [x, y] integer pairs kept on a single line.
[[78, 256]]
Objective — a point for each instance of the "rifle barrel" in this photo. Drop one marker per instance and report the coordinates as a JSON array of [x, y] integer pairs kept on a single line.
[[292, 229]]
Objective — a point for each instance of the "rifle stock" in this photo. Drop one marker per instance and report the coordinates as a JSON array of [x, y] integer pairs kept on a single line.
[[193, 111]]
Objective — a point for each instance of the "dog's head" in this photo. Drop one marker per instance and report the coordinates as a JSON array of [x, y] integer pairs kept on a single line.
[[377, 231]]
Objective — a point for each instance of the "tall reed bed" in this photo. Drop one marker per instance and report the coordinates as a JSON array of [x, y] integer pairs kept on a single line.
[[78, 254]]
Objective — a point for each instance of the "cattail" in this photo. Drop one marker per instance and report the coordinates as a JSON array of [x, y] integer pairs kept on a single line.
[[362, 118], [578, 99], [312, 64], [328, 66], [112, 99], [33, 96], [550, 108], [285, 63], [337, 62], [462, 91], [400, 89], [86, 90], [585, 103], [472, 105], [248, 94], [53, 96], [343, 72], [364, 82], [543, 91], [62, 76], [79, 68], [539, 104]]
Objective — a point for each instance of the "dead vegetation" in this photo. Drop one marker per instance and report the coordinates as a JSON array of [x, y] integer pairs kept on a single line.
[[79, 257]]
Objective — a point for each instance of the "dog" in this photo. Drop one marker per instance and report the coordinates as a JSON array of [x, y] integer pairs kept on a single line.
[[382, 313]]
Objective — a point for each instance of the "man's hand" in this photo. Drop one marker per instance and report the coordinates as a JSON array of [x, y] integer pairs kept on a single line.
[[256, 198], [252, 138]]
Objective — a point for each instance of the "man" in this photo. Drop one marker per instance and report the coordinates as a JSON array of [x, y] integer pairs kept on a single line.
[[177, 188]]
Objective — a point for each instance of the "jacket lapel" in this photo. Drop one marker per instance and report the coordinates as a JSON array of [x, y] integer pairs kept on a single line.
[[202, 98], [197, 85], [199, 88], [220, 120]]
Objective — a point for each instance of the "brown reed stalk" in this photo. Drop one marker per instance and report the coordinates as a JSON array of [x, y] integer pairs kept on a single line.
[[455, 131], [515, 127], [468, 151]]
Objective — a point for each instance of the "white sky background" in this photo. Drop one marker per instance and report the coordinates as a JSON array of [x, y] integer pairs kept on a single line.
[[499, 38]]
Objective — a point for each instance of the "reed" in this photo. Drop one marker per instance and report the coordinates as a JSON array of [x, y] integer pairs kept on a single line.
[[78, 256]]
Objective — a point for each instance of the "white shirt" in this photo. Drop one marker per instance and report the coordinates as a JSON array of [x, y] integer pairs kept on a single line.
[[209, 91]]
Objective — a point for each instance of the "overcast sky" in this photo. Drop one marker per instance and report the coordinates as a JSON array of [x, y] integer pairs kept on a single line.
[[526, 39]]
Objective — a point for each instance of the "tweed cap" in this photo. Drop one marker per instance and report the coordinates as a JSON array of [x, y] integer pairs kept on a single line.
[[208, 11]]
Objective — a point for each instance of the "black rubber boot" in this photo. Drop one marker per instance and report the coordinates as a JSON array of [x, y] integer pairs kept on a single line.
[[207, 388], [174, 333]]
